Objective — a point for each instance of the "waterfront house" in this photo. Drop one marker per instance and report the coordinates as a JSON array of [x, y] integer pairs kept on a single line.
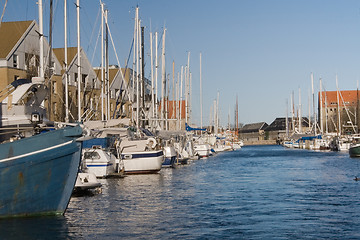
[[19, 59], [277, 129], [253, 131], [343, 103], [90, 85]]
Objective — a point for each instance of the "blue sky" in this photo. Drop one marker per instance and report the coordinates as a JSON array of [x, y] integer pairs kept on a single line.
[[260, 50]]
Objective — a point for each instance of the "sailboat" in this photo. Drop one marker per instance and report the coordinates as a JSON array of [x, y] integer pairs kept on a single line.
[[39, 164], [38, 173]]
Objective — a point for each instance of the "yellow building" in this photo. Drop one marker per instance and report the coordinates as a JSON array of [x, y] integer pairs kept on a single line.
[[19, 59]]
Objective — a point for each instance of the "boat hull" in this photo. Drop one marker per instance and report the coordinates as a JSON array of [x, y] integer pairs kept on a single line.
[[99, 162], [202, 150], [142, 161], [40, 181], [169, 157], [354, 150], [169, 162]]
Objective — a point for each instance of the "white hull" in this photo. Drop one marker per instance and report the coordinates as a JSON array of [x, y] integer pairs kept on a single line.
[[86, 181], [143, 161], [98, 162], [202, 150]]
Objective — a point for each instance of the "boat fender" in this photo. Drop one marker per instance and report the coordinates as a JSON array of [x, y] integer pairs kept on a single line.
[[151, 142]]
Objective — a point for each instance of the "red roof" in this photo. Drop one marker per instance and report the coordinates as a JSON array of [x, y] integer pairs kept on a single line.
[[349, 97]]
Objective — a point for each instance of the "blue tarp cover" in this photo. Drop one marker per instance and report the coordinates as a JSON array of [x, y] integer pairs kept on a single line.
[[188, 128], [311, 137], [102, 142]]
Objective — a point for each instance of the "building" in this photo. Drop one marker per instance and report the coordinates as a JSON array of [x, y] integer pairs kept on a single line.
[[175, 114], [277, 129], [253, 131], [20, 59], [339, 111], [90, 85]]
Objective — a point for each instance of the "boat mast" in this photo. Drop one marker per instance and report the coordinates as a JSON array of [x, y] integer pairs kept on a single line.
[[300, 118], [107, 80], [163, 82], [187, 89], [79, 62], [156, 79], [214, 121], [133, 70], [229, 118], [190, 95], [321, 112], [313, 100], [287, 120], [137, 70], [49, 72], [173, 92], [102, 63], [201, 113], [217, 113], [41, 33], [181, 92], [338, 106], [142, 86], [152, 80], [309, 105], [178, 101], [66, 65], [292, 112], [237, 116]]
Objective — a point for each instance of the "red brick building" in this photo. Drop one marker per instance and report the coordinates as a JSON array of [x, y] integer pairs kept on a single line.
[[343, 104]]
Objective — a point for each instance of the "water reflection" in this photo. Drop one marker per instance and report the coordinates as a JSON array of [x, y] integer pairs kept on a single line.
[[255, 193], [52, 227]]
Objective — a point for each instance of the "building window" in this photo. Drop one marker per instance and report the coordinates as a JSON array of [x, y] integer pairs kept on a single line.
[[15, 60], [54, 110], [16, 77], [54, 85], [83, 79]]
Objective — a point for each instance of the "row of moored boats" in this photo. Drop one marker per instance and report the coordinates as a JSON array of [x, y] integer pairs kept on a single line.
[[331, 142]]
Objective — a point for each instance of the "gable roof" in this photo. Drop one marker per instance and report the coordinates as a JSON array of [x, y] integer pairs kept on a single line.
[[112, 73], [60, 54], [10, 34], [280, 123], [253, 127]]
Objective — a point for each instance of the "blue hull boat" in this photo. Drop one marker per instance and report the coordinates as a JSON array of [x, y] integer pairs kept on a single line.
[[38, 173]]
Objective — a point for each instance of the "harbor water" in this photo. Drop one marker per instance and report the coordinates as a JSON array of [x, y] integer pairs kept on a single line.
[[258, 192]]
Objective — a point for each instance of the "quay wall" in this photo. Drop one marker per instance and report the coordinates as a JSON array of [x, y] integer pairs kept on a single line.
[[259, 142]]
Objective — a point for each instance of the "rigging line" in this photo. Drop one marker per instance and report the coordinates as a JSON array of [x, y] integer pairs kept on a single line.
[[97, 39], [84, 33], [122, 76], [93, 30], [126, 68], [3, 12]]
